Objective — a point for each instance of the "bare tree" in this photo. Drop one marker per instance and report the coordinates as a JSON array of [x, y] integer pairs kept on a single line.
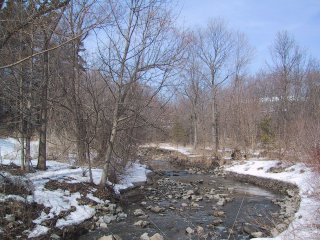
[[39, 8], [140, 50], [193, 81], [242, 55], [288, 67], [50, 23], [79, 18], [215, 49]]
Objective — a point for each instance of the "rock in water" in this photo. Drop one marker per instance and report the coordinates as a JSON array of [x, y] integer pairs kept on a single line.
[[121, 216], [257, 234], [157, 236], [274, 232], [201, 181], [190, 192], [157, 209], [216, 222], [218, 213], [138, 212], [189, 230], [103, 225], [221, 202], [110, 237], [200, 230], [109, 218], [250, 229], [141, 223], [144, 236]]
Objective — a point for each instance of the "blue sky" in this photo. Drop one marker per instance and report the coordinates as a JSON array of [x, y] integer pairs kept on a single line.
[[260, 20]]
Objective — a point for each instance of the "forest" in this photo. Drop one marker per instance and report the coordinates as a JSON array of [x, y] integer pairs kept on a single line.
[[148, 81]]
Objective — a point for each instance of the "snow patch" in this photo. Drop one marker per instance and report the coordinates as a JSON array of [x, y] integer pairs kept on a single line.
[[82, 213], [39, 230], [134, 173], [303, 225]]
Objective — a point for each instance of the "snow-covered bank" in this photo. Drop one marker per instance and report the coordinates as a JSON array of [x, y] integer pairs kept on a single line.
[[306, 219], [61, 202]]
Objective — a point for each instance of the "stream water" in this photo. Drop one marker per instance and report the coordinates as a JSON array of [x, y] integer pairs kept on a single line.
[[248, 209]]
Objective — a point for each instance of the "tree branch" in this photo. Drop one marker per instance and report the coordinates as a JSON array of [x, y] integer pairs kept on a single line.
[[44, 51]]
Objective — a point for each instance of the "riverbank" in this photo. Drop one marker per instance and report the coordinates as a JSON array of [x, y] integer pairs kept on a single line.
[[59, 203], [287, 178], [299, 182], [67, 205]]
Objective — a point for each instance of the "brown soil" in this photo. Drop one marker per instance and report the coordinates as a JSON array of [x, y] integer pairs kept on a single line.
[[102, 194], [83, 187], [7, 187], [13, 169], [24, 214]]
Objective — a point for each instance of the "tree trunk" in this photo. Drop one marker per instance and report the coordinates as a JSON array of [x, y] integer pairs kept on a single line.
[[195, 131], [29, 123], [102, 151], [81, 137], [214, 122], [28, 152], [22, 122], [21, 105], [89, 162], [111, 141], [44, 112], [22, 151], [217, 139]]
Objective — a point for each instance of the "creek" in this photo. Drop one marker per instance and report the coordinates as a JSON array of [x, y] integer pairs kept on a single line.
[[175, 199]]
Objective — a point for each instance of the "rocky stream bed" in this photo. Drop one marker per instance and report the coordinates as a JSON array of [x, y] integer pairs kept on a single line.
[[197, 204]]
